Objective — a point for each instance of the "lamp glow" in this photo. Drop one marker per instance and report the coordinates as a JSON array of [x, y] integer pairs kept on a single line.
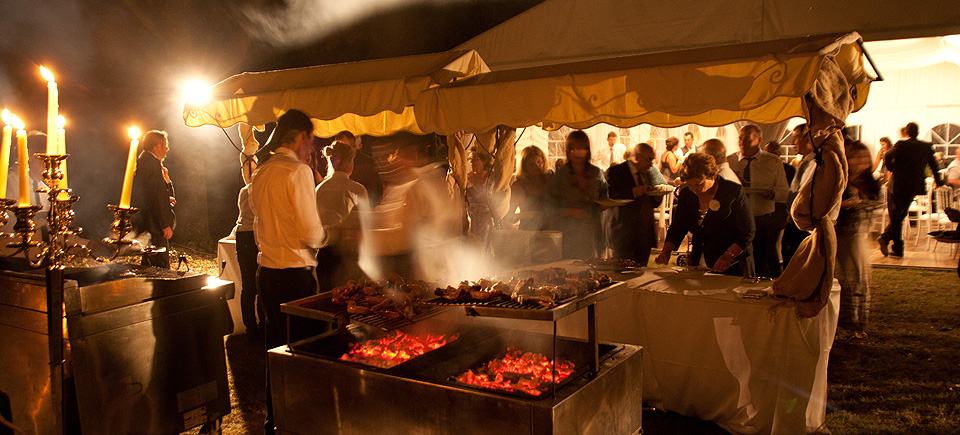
[[196, 93]]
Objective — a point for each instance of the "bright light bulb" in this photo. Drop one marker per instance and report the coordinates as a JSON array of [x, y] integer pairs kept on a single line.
[[196, 93], [134, 132]]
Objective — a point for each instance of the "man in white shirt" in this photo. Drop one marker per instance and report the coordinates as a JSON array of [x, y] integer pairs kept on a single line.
[[687, 147], [610, 155], [951, 175], [765, 182], [286, 224], [715, 147]]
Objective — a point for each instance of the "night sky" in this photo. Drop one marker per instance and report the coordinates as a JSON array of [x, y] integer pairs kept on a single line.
[[120, 63]]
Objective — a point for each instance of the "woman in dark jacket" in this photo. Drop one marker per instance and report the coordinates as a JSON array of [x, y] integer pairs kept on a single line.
[[717, 213], [574, 192]]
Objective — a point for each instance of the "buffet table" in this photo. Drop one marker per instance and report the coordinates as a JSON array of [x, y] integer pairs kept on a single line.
[[750, 365]]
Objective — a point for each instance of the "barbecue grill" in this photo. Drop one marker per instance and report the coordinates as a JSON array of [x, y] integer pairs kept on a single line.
[[145, 350], [314, 391]]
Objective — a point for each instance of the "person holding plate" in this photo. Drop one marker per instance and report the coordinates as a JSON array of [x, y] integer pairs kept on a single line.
[[630, 227], [717, 212]]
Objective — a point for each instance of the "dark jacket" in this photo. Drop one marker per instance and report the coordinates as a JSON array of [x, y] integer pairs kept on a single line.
[[906, 162], [631, 218], [151, 194], [731, 223]]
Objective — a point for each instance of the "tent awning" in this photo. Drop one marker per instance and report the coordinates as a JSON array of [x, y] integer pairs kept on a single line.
[[373, 97], [764, 82]]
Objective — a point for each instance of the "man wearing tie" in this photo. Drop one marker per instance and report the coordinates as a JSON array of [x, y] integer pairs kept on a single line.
[[765, 182], [632, 232], [153, 194], [610, 155]]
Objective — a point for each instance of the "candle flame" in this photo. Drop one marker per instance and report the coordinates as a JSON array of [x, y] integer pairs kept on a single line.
[[17, 123], [61, 121], [134, 132], [46, 73], [6, 116]]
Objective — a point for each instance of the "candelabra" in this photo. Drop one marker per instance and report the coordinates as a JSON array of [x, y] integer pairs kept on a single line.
[[54, 250]]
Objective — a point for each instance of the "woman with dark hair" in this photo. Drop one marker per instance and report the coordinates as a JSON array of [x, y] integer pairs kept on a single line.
[[717, 213], [528, 192], [853, 226], [574, 191], [338, 201], [885, 146], [479, 191], [669, 162]]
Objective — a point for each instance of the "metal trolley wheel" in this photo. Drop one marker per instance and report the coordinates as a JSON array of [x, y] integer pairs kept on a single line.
[[681, 260]]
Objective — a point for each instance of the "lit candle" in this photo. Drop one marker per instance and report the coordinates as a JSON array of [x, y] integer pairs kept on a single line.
[[62, 149], [5, 153], [131, 168], [22, 163], [53, 107]]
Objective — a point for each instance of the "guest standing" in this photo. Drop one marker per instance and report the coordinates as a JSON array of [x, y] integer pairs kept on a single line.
[[669, 161], [853, 225], [339, 200], [906, 162], [153, 194], [765, 182], [573, 191], [479, 191], [364, 168], [609, 154], [632, 229], [528, 192], [717, 213]]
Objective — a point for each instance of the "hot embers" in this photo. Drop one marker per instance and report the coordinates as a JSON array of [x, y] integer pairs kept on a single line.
[[394, 349], [528, 373]]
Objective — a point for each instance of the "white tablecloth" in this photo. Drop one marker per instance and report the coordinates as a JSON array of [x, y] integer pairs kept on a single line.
[[230, 271], [750, 365]]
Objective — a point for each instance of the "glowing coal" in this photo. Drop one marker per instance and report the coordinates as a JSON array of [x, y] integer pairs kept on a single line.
[[528, 373], [395, 349]]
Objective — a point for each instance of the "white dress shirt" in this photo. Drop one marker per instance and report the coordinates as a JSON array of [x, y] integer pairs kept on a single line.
[[287, 227], [723, 170], [337, 199], [606, 156], [766, 171], [245, 218]]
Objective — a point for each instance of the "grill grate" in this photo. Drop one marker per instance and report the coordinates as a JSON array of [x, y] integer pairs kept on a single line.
[[503, 303], [320, 307]]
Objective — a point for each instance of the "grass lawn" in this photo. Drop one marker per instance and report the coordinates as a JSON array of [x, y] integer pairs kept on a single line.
[[904, 378]]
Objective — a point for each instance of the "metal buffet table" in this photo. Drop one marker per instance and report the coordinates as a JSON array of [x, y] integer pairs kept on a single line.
[[144, 353], [315, 391]]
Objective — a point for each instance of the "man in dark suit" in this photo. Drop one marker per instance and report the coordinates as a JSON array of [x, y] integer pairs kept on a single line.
[[632, 231], [153, 194], [906, 163]]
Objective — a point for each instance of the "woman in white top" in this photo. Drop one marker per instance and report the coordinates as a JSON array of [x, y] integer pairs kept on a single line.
[[338, 201]]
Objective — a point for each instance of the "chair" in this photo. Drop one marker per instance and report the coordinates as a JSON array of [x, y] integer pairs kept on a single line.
[[944, 197], [922, 211], [664, 214]]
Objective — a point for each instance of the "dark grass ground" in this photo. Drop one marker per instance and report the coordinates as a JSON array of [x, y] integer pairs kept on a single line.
[[903, 378]]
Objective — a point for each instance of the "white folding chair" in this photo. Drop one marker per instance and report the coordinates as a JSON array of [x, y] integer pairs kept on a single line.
[[944, 197], [664, 215]]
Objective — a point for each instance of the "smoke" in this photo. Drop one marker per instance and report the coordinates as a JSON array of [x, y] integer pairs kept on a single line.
[[300, 22]]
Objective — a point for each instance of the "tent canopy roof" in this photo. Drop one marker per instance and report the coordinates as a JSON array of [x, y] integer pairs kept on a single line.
[[368, 97], [763, 82]]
